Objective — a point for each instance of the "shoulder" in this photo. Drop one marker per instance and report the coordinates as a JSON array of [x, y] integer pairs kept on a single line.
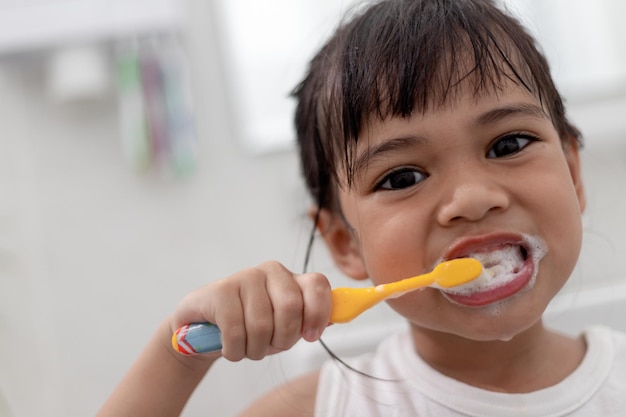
[[618, 339], [606, 335], [606, 352], [605, 344], [295, 398]]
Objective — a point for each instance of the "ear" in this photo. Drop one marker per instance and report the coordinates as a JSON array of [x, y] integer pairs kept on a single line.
[[341, 243], [570, 148]]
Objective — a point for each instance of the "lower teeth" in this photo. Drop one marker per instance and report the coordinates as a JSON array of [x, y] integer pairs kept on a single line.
[[505, 261], [499, 266]]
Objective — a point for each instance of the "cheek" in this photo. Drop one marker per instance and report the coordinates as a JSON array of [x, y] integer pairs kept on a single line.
[[566, 243], [393, 245], [560, 223]]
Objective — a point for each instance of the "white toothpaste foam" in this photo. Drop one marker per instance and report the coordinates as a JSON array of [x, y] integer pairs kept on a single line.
[[501, 266]]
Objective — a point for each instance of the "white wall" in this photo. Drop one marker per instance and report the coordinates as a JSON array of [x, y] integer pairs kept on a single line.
[[97, 254], [93, 255]]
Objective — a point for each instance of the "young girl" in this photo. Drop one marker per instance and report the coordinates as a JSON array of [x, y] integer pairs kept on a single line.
[[428, 130]]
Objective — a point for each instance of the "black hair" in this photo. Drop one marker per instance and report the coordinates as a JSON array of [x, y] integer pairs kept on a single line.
[[398, 57]]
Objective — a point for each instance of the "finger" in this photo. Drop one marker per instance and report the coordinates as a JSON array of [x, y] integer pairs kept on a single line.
[[228, 313], [287, 303], [217, 303], [258, 313], [317, 297]]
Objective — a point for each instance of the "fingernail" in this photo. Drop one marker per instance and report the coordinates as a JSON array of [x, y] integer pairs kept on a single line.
[[311, 335]]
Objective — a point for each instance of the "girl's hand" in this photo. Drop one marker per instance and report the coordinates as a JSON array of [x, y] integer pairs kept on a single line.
[[260, 310]]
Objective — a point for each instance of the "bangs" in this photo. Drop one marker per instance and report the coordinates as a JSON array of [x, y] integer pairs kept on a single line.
[[424, 62], [402, 57]]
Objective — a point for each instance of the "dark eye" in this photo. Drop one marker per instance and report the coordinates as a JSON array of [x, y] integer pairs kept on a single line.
[[401, 178], [509, 145]]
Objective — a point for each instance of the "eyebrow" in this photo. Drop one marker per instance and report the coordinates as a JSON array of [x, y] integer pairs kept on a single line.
[[510, 111], [385, 147], [491, 116]]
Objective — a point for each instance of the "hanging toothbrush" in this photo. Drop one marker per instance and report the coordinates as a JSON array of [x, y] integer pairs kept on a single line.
[[132, 112]]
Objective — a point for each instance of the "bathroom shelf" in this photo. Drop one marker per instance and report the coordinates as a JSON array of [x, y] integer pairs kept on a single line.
[[32, 25]]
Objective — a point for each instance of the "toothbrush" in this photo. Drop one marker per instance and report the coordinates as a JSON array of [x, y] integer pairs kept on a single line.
[[347, 303]]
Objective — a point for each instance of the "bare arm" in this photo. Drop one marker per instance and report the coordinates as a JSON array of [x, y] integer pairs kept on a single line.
[[159, 383], [260, 311]]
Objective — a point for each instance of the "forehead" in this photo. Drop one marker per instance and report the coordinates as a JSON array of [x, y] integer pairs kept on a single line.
[[488, 113], [415, 67], [468, 109]]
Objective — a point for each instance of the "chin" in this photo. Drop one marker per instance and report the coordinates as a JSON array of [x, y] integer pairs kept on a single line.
[[501, 321]]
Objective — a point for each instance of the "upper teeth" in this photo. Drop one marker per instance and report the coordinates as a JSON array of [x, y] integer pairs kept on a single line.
[[499, 266], [506, 260]]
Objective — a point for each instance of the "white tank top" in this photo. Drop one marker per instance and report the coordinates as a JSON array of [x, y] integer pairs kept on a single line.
[[412, 388]]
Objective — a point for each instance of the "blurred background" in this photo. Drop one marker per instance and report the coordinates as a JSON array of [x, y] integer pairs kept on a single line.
[[146, 148]]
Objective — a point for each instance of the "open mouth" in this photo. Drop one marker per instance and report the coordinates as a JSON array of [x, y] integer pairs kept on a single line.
[[508, 268], [502, 264]]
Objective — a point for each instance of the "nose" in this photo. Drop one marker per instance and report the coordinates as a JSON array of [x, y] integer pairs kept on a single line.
[[471, 199]]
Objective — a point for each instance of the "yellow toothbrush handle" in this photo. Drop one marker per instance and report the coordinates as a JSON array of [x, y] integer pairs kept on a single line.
[[407, 284], [347, 303]]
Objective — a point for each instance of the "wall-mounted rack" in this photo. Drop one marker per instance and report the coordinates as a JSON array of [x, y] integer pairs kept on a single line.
[[31, 25]]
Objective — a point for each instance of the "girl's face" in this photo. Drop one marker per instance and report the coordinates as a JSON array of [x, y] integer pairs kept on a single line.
[[487, 177]]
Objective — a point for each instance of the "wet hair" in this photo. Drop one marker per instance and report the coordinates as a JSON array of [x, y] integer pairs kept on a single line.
[[395, 58], [401, 57]]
